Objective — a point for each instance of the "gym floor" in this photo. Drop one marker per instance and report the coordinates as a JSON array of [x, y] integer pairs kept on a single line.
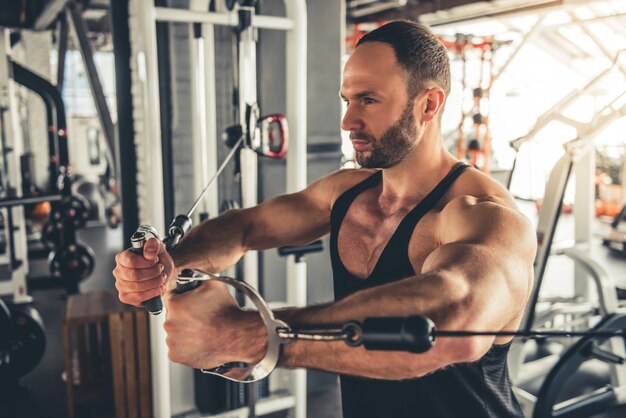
[[45, 394]]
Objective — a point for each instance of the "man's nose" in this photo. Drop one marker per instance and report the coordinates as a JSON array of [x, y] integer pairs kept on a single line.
[[351, 120]]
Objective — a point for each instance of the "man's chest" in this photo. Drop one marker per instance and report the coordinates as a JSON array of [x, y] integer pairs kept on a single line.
[[365, 234]]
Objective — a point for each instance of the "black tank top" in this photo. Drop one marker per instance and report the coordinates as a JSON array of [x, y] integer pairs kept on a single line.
[[468, 390]]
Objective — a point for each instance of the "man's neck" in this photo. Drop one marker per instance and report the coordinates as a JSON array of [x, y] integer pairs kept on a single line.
[[420, 171]]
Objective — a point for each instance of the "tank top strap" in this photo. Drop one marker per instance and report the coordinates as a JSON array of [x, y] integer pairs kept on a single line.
[[407, 225], [343, 202]]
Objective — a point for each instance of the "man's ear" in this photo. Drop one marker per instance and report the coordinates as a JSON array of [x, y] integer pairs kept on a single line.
[[430, 103]]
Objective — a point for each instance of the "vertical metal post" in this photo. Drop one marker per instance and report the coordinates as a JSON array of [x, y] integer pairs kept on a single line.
[[63, 33], [584, 199], [12, 139], [297, 163], [204, 121], [248, 158], [208, 148], [125, 117], [144, 66]]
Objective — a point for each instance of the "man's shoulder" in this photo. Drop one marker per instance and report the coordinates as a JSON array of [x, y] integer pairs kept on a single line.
[[475, 187], [478, 201], [480, 206], [335, 184]]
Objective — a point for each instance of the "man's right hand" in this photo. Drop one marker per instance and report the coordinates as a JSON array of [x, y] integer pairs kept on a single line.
[[139, 278]]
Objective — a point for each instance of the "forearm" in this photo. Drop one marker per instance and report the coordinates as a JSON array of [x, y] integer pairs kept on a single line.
[[404, 298], [214, 245]]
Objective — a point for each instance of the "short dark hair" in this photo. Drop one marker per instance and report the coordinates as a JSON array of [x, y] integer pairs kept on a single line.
[[418, 51]]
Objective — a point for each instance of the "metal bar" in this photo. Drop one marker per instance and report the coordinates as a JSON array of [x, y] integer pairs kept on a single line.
[[74, 16], [451, 17], [53, 99], [296, 60], [12, 137], [166, 14], [247, 67], [564, 103], [149, 172], [209, 148], [578, 21], [21, 201], [50, 13], [63, 35], [166, 111], [525, 39], [125, 130]]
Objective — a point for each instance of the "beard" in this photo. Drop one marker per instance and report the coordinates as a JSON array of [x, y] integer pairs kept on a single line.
[[393, 145]]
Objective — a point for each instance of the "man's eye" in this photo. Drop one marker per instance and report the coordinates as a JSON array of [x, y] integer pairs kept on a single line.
[[369, 100]]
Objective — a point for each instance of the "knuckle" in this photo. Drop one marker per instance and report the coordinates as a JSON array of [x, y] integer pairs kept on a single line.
[[118, 272], [135, 299], [123, 297], [135, 275]]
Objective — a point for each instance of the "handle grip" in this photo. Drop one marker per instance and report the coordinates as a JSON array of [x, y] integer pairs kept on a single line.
[[138, 240], [414, 334], [186, 281]]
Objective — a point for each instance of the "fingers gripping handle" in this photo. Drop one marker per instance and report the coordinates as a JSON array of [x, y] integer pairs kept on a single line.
[[137, 241]]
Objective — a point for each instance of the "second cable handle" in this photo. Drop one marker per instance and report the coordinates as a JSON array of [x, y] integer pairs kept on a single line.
[[137, 242]]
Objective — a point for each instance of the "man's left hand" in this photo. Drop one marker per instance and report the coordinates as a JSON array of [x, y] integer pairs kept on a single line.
[[206, 328]]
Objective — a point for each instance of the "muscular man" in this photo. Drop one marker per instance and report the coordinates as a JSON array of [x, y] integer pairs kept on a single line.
[[413, 232]]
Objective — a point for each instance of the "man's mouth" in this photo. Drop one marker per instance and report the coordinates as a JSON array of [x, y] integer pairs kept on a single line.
[[360, 144]]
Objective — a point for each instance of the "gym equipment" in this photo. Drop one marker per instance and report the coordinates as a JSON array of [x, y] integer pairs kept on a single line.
[[299, 251], [141, 37], [72, 264], [588, 347], [22, 344], [69, 261], [16, 256], [92, 194], [57, 123], [616, 238], [418, 334], [473, 135], [176, 231], [182, 223], [267, 135], [73, 210], [261, 140], [577, 312]]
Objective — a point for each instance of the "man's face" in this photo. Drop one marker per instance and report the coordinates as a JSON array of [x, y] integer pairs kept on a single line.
[[392, 146], [379, 115]]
